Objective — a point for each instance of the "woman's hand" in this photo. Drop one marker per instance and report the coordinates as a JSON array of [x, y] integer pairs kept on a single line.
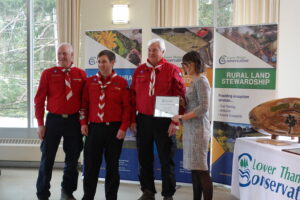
[[175, 118]]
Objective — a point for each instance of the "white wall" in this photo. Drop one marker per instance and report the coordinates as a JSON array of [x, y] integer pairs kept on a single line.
[[97, 14], [288, 73]]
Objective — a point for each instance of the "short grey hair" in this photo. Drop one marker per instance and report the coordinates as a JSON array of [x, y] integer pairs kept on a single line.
[[70, 47], [161, 43]]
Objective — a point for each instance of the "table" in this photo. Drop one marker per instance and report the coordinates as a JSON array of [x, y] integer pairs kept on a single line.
[[264, 171]]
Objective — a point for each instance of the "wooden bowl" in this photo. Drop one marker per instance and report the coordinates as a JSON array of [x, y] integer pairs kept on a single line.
[[279, 117]]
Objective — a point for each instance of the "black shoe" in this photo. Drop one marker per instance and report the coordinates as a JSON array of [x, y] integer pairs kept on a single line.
[[147, 195], [168, 198], [66, 196], [43, 198]]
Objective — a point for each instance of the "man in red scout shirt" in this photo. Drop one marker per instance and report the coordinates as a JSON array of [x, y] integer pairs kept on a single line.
[[61, 86], [156, 77], [107, 111]]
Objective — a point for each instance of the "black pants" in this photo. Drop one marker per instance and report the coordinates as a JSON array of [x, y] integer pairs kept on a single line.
[[102, 140], [149, 130], [56, 128], [202, 184]]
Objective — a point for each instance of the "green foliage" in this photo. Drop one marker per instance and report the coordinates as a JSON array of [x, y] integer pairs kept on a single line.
[[224, 12], [13, 51], [206, 13], [121, 50]]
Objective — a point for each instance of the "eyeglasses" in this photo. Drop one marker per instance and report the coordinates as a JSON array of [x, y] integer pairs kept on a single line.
[[184, 64]]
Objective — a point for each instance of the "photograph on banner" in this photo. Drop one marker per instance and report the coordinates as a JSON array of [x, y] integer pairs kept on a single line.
[[127, 46], [124, 43], [245, 76], [260, 40], [225, 135], [179, 41]]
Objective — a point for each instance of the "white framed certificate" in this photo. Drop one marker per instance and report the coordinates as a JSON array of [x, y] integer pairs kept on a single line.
[[166, 106]]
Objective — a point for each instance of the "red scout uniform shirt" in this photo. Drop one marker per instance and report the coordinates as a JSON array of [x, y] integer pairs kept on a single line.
[[168, 82], [117, 101], [52, 87]]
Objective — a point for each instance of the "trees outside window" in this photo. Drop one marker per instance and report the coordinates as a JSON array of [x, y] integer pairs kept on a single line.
[[224, 10], [14, 82]]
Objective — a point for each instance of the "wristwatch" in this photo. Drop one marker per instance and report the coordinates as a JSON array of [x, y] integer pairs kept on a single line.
[[180, 119]]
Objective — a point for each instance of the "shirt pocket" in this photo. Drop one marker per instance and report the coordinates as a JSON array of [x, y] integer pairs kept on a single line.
[[77, 84], [115, 95], [94, 93], [57, 83], [141, 83], [162, 88]]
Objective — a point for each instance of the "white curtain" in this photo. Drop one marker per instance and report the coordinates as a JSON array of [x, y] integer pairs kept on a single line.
[[68, 24], [176, 13], [255, 12]]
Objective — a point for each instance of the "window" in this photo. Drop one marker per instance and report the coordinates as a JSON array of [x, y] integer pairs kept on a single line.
[[14, 69], [224, 9], [13, 62], [206, 13], [225, 12], [45, 39]]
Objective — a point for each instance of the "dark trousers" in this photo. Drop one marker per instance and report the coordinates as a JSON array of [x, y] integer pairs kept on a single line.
[[150, 130], [202, 184], [102, 140], [56, 128]]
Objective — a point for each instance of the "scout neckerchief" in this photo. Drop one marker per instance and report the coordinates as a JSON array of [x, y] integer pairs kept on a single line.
[[68, 90], [153, 75], [103, 86]]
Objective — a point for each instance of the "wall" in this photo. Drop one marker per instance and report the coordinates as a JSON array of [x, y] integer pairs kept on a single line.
[[288, 73], [97, 14]]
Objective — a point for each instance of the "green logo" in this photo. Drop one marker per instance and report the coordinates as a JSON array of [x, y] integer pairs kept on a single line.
[[244, 163]]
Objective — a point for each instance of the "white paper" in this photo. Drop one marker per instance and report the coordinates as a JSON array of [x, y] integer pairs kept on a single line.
[[166, 106]]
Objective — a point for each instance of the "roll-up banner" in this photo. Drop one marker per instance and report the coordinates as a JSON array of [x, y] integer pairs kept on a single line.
[[179, 41], [127, 46], [245, 76]]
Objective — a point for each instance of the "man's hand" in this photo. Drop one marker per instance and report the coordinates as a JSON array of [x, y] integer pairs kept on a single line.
[[121, 134], [173, 128], [84, 130], [133, 128], [41, 132]]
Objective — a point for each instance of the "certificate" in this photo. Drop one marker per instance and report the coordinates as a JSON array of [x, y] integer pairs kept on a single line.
[[166, 106]]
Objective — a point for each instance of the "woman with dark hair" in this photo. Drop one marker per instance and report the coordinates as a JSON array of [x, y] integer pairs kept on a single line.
[[196, 134]]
